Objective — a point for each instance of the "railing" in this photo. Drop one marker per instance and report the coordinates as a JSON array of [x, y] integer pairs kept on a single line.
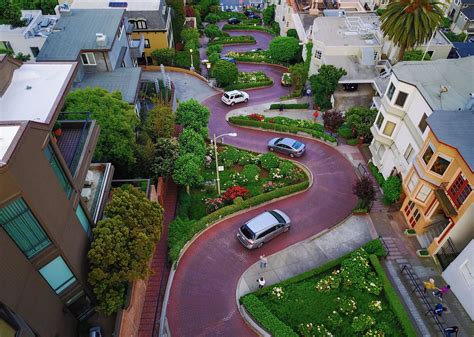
[[424, 299], [387, 250], [159, 303]]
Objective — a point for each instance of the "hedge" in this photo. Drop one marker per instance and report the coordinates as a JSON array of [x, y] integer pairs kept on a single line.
[[245, 58], [377, 175], [177, 242], [228, 15], [290, 106], [281, 128], [248, 27], [233, 39], [353, 141], [393, 298], [239, 86], [265, 317]]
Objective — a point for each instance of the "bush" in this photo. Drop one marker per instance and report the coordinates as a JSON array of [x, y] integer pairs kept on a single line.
[[212, 18], [333, 120], [290, 106], [233, 192], [392, 189], [251, 172], [345, 131], [461, 37], [163, 56], [230, 156], [360, 119], [248, 39], [212, 31], [269, 160], [361, 207], [183, 60], [225, 72], [415, 55], [215, 48], [276, 28], [292, 33], [353, 141], [228, 15], [240, 86], [364, 189], [189, 34], [249, 27], [284, 49], [269, 15]]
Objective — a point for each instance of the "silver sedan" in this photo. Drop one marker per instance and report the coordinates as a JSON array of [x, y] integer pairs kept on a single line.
[[288, 146]]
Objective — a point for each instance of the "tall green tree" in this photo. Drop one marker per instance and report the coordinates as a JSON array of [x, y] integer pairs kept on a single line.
[[360, 119], [284, 49], [225, 73], [10, 14], [189, 34], [192, 142], [192, 114], [178, 18], [324, 83], [299, 75], [188, 171], [269, 15], [166, 154], [160, 122], [409, 23], [163, 56]]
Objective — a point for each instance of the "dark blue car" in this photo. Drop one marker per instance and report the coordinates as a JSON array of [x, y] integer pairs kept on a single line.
[[228, 59]]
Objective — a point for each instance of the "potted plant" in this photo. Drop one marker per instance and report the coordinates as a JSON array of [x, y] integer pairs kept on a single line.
[[422, 253], [57, 129], [410, 232]]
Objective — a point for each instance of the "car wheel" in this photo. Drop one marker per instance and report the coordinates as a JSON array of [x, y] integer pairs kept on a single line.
[[271, 149], [246, 100], [260, 245], [232, 103], [286, 229], [292, 155]]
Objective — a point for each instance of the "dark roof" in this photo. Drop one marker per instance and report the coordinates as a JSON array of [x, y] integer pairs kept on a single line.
[[77, 32], [455, 128], [467, 2], [155, 20], [468, 12], [464, 49]]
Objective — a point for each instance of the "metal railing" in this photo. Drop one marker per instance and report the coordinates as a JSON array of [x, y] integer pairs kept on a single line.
[[159, 303], [387, 250]]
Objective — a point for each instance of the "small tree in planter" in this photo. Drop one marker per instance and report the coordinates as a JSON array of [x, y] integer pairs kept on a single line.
[[364, 189], [333, 120], [187, 171], [392, 188], [361, 119]]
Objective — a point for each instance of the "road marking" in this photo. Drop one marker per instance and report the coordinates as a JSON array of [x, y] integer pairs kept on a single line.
[[229, 316]]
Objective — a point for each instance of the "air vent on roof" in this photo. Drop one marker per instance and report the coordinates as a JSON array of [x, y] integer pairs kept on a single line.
[[64, 9], [114, 4], [101, 39]]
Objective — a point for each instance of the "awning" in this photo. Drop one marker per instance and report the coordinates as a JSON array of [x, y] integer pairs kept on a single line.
[[445, 203]]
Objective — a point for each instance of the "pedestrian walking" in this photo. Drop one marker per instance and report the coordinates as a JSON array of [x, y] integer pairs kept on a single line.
[[451, 330], [439, 309], [440, 292], [430, 284], [263, 261], [261, 282]]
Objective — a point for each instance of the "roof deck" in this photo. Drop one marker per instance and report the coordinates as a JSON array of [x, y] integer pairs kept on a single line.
[[97, 188]]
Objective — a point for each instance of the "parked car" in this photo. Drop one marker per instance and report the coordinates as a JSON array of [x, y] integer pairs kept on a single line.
[[263, 228], [288, 146], [253, 16], [233, 21], [286, 80], [248, 12], [255, 49], [228, 59], [235, 96], [350, 86]]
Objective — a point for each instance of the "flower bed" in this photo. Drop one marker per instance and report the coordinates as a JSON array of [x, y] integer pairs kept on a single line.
[[248, 27], [233, 40], [248, 180], [283, 124], [358, 300], [248, 80], [228, 15], [290, 106]]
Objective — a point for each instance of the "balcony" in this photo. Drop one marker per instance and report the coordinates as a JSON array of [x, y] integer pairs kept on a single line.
[[137, 47], [77, 143], [96, 189], [380, 137]]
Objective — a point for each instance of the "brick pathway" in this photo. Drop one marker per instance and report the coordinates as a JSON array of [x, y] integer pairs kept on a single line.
[[161, 268]]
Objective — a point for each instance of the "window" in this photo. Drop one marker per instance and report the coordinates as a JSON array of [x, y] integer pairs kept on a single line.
[[379, 121], [283, 19], [412, 213], [467, 271], [401, 99], [412, 182], [389, 127], [35, 51], [83, 219], [408, 153], [88, 59], [147, 43], [140, 24], [423, 124], [58, 275], [80, 305], [381, 151], [6, 45], [318, 54], [459, 190], [423, 193], [23, 228], [440, 165], [376, 55], [58, 170], [390, 92], [428, 154]]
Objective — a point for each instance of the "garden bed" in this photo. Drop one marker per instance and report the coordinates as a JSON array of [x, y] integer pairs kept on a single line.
[[248, 180], [248, 27], [290, 106], [260, 56], [248, 80], [349, 296], [244, 39], [283, 124]]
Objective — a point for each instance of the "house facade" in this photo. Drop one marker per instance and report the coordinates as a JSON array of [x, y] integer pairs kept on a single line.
[[461, 12], [45, 226]]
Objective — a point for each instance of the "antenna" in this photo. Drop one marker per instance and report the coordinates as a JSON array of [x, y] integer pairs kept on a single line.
[[442, 89]]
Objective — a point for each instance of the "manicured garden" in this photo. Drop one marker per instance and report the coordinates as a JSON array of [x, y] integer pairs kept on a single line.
[[248, 27], [246, 80], [349, 296], [283, 124], [247, 39]]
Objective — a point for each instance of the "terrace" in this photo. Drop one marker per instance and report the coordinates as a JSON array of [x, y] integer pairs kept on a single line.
[[96, 188]]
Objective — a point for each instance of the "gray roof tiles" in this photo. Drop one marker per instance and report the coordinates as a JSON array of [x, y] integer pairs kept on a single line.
[[154, 19], [77, 32]]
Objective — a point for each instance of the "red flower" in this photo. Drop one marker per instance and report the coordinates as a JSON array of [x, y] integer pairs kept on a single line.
[[233, 192], [257, 117]]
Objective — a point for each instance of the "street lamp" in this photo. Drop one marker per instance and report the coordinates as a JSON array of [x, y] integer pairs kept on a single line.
[[192, 65], [233, 134], [208, 65]]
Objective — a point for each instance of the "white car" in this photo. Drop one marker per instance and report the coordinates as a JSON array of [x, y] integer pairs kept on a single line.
[[235, 96]]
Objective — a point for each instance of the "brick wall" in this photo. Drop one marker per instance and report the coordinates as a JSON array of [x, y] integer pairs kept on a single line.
[[128, 320]]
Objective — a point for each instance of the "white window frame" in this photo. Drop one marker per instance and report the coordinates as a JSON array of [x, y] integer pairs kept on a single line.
[[413, 182], [90, 59], [318, 54], [423, 193], [445, 157], [393, 130], [408, 155], [141, 24]]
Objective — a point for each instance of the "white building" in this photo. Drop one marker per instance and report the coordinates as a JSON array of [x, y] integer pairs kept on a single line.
[[416, 89], [29, 39]]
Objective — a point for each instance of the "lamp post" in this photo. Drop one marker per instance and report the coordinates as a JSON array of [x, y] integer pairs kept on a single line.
[[233, 134], [192, 65], [208, 66]]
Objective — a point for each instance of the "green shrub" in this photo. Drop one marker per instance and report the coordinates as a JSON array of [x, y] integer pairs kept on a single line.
[[286, 167], [215, 48], [163, 56], [260, 313], [453, 37], [415, 55], [361, 207], [251, 172], [353, 141], [292, 33], [269, 14], [345, 131], [248, 27], [290, 106], [276, 28], [212, 18], [225, 72], [392, 189], [229, 156], [269, 160], [375, 247], [233, 40], [376, 173], [228, 15], [247, 158]]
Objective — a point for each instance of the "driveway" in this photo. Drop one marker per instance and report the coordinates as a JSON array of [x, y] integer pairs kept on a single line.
[[202, 296]]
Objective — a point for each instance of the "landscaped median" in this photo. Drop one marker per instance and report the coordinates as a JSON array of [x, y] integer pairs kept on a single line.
[[283, 124], [244, 39], [259, 56], [348, 296], [296, 106], [247, 80], [248, 27]]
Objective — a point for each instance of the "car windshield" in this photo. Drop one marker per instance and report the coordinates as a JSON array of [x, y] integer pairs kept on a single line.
[[297, 145], [226, 95], [247, 232], [277, 216]]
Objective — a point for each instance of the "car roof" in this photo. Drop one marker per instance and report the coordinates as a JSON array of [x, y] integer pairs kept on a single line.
[[262, 222], [287, 141], [232, 92]]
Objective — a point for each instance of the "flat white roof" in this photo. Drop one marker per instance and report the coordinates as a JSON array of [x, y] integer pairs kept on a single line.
[[33, 91], [7, 133], [132, 5]]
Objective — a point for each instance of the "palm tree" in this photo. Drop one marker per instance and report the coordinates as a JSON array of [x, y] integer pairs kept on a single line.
[[411, 22]]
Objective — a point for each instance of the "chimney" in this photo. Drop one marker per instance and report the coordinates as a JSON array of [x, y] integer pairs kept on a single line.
[[101, 39], [65, 9]]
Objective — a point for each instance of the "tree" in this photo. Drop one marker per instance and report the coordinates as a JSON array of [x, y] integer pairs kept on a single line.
[[177, 18], [409, 23], [214, 58], [225, 73], [292, 33], [361, 119], [117, 120], [213, 48], [392, 188], [212, 31], [192, 114], [364, 189], [333, 120], [166, 154], [299, 75], [145, 154], [187, 171], [269, 15], [191, 142], [10, 14], [415, 55], [23, 57], [123, 245], [206, 6], [284, 49], [160, 122], [212, 18], [189, 34], [324, 84], [163, 56]]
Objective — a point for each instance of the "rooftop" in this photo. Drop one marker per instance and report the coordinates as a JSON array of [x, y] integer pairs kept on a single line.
[[38, 25], [428, 76], [464, 49], [77, 31], [455, 128], [468, 12], [135, 5], [356, 72], [124, 80], [154, 21]]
